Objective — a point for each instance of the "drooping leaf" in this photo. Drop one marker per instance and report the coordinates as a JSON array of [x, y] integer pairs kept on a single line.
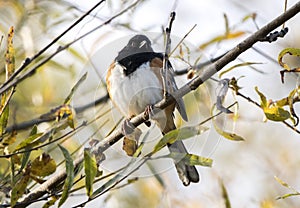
[[236, 66], [90, 169], [43, 165], [228, 135], [290, 51], [20, 187], [178, 134], [70, 175], [190, 159], [272, 111], [225, 134]]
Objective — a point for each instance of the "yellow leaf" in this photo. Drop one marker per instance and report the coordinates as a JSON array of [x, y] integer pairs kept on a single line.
[[236, 34], [225, 134], [10, 54], [228, 135], [290, 51], [276, 113], [272, 111], [230, 35]]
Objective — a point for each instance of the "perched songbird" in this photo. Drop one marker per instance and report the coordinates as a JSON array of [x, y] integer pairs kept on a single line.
[[134, 82]]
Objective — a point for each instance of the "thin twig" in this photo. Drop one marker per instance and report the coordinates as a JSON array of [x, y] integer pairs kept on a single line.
[[165, 69], [182, 39], [198, 66]]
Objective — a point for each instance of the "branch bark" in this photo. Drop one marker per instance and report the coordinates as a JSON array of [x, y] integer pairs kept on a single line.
[[192, 85]]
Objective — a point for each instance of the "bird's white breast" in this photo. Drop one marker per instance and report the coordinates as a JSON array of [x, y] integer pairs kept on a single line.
[[133, 93]]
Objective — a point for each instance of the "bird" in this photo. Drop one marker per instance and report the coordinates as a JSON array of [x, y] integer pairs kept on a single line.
[[135, 82]]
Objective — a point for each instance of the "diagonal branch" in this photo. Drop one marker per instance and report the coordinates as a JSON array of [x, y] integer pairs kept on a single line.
[[192, 85]]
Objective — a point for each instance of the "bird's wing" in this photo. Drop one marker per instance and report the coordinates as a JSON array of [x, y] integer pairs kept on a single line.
[[171, 88]]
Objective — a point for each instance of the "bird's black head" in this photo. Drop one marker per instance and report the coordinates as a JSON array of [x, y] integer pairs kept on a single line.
[[137, 51], [137, 44]]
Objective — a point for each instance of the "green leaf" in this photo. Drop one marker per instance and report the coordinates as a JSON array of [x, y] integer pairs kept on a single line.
[[90, 169], [25, 159], [33, 130], [178, 134], [70, 175], [190, 159], [290, 51], [43, 165], [28, 141], [68, 99], [4, 119], [19, 188], [236, 66]]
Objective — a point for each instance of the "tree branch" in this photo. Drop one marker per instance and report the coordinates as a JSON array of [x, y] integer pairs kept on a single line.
[[192, 85], [51, 116]]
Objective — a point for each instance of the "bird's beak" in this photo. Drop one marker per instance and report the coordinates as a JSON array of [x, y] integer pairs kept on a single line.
[[142, 44]]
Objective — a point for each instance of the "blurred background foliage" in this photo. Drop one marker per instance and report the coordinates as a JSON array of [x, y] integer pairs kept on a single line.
[[246, 169]]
